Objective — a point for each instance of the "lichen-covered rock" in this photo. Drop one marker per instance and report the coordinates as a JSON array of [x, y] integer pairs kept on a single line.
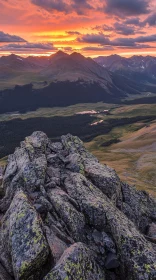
[[66, 208], [105, 179], [76, 263], [28, 247], [138, 206], [101, 214], [5, 251], [26, 168], [57, 195]]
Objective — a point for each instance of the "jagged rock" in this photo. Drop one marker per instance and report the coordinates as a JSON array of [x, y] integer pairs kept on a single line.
[[26, 169], [76, 263], [72, 198], [55, 147], [27, 249], [57, 245], [1, 180], [53, 177], [101, 214], [5, 250], [74, 220], [104, 178], [104, 240], [138, 206], [111, 261], [2, 191], [152, 231], [4, 274], [42, 205]]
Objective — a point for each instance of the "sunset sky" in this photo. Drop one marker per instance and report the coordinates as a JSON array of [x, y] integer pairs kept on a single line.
[[92, 27]]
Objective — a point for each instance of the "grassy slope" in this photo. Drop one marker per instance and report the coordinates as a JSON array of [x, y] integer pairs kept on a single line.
[[134, 157]]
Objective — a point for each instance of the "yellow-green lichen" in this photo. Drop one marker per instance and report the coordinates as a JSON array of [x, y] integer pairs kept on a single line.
[[81, 167], [148, 268]]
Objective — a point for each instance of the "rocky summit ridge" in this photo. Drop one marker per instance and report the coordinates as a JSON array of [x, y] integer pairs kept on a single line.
[[64, 216]]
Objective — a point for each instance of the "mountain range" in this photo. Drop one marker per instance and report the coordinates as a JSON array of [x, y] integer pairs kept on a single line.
[[57, 67], [62, 79], [63, 67], [134, 66]]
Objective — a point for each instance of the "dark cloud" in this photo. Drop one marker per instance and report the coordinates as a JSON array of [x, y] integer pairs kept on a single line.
[[107, 28], [132, 21], [6, 38], [151, 20], [27, 46], [78, 6], [134, 42], [126, 7], [49, 5], [68, 49], [146, 39], [90, 48], [137, 46], [103, 27], [73, 32], [102, 40], [125, 42], [124, 29], [94, 39], [128, 27]]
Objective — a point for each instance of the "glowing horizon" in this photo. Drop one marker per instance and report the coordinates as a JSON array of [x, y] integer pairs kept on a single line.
[[93, 28]]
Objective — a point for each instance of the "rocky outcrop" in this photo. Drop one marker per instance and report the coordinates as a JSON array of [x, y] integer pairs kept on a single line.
[[66, 216]]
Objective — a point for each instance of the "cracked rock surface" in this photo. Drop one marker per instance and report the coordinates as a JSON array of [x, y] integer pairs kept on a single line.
[[64, 216]]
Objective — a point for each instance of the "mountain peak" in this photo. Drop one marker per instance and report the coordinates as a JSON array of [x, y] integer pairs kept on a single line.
[[12, 56], [59, 54], [115, 55], [77, 55]]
